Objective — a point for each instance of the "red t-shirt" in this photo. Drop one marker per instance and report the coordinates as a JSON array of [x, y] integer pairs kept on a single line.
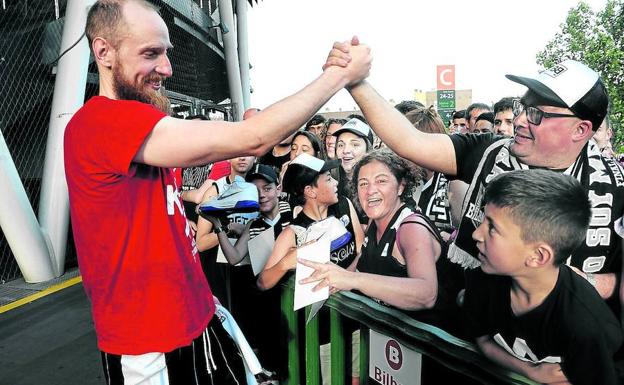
[[136, 251], [177, 174], [220, 169]]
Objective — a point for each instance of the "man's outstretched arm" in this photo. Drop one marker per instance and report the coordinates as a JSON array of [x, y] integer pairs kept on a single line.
[[432, 151], [182, 143]]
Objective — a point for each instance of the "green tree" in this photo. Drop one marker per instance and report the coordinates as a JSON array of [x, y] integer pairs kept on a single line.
[[596, 39]]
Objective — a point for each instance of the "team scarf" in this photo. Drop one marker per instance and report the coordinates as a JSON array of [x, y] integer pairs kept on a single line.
[[438, 208], [602, 178]]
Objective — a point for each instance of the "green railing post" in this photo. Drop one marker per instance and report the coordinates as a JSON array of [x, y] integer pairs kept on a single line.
[[456, 355], [337, 339], [288, 300], [313, 368]]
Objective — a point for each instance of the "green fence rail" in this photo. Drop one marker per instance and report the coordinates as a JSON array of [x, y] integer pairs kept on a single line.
[[453, 353]]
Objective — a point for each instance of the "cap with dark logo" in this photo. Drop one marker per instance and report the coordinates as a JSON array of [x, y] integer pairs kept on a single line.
[[570, 84], [262, 171], [356, 127]]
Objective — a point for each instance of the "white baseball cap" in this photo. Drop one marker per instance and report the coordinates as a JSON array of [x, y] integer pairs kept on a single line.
[[357, 127], [572, 85]]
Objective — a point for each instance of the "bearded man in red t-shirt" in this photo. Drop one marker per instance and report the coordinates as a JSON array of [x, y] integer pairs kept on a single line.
[[152, 306]]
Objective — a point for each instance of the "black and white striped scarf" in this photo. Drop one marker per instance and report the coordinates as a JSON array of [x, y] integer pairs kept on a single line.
[[603, 178]]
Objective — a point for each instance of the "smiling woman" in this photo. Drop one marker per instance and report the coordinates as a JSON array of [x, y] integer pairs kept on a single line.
[[400, 264], [353, 140]]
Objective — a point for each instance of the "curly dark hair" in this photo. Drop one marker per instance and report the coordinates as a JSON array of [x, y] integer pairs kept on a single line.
[[402, 170]]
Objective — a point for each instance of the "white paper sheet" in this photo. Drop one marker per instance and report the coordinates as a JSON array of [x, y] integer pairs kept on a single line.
[[221, 257], [316, 252], [260, 248]]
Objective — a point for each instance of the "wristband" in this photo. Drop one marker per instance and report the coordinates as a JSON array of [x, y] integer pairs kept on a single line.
[[221, 229]]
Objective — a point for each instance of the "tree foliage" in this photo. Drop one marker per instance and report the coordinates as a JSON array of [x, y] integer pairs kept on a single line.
[[596, 39]]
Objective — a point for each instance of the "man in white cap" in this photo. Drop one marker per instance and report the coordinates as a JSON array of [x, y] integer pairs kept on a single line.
[[554, 122]]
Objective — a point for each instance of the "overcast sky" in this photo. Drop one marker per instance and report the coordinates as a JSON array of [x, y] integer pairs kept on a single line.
[[289, 41]]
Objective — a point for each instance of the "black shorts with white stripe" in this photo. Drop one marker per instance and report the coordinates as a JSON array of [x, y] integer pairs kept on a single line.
[[212, 358]]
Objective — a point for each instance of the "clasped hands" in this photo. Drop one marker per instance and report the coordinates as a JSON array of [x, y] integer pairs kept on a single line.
[[353, 57]]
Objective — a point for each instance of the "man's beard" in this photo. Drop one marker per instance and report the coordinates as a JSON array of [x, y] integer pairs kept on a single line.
[[128, 91]]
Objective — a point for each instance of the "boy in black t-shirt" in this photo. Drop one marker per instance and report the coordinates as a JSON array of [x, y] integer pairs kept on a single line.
[[527, 310]]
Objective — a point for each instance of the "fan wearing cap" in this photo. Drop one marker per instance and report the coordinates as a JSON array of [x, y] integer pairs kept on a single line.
[[554, 122], [274, 212], [246, 298], [353, 140], [309, 181]]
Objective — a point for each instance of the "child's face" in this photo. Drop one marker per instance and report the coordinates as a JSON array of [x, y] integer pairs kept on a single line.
[[326, 189], [268, 194], [501, 249]]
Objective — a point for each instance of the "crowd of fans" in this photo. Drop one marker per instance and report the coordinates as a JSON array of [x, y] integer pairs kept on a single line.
[[403, 218]]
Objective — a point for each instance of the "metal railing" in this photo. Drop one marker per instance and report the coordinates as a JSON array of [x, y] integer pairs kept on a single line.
[[433, 343]]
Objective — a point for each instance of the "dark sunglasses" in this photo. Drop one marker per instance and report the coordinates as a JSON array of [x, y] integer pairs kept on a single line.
[[534, 114]]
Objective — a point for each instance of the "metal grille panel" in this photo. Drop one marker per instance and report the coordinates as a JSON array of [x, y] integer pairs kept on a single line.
[[30, 35]]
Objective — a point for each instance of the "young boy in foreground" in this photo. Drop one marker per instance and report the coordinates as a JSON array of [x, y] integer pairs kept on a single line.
[[527, 310]]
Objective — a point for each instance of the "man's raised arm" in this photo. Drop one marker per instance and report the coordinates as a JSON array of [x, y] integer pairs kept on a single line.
[[431, 151], [182, 143]]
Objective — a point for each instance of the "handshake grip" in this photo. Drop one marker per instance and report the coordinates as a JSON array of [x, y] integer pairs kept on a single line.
[[352, 57]]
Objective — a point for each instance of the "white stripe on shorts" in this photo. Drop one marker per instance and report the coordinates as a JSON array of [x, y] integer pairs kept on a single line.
[[145, 369]]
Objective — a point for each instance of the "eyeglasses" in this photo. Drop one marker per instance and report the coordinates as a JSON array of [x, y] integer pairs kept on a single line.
[[534, 114]]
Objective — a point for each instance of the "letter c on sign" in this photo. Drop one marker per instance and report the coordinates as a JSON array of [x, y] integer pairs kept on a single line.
[[394, 355], [443, 74]]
